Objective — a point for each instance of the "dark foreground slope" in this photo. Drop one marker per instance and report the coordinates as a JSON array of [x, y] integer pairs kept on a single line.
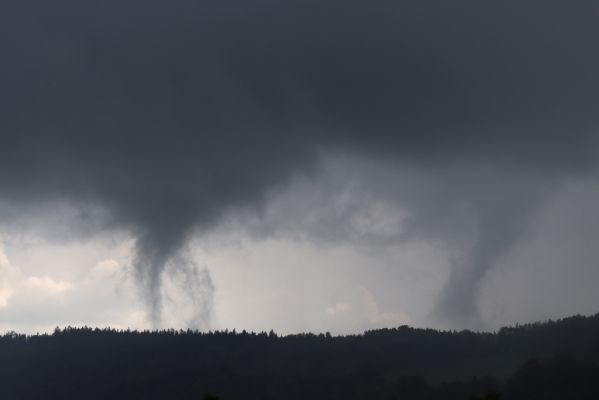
[[550, 360]]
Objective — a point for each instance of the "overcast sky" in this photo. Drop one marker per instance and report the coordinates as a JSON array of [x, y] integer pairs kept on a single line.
[[297, 165]]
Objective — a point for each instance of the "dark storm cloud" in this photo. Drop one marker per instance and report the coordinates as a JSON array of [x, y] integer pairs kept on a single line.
[[169, 115]]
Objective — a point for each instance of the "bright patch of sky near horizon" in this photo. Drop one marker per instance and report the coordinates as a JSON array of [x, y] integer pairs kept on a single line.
[[295, 283]]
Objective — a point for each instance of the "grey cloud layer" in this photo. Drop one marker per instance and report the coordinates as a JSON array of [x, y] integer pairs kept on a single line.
[[170, 115]]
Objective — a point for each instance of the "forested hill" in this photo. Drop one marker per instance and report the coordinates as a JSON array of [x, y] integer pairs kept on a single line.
[[556, 359]]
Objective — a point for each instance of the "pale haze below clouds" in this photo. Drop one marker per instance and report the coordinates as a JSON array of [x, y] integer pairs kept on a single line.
[[301, 276]]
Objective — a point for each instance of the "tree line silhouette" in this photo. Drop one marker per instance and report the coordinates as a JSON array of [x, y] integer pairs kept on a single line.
[[550, 360]]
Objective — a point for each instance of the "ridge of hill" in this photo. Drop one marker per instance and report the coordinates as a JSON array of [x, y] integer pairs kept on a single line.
[[383, 363]]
